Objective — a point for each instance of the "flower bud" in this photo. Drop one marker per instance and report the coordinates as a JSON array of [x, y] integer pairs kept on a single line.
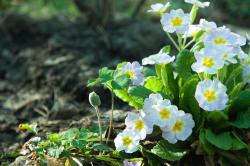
[[94, 99]]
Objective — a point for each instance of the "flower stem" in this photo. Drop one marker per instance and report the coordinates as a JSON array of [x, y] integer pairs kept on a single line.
[[172, 40], [99, 123], [179, 41], [111, 117]]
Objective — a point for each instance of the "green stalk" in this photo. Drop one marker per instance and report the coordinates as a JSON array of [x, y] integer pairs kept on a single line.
[[99, 123], [111, 117], [172, 40]]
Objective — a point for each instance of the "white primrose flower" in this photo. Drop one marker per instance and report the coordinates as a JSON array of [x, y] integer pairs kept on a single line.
[[165, 113], [228, 56], [192, 31], [206, 25], [149, 109], [134, 71], [198, 3], [208, 61], [221, 38], [180, 128], [127, 140], [211, 95], [136, 123], [175, 21], [159, 8], [159, 58]]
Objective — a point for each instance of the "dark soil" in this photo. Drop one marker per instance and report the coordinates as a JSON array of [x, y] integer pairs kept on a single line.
[[45, 65]]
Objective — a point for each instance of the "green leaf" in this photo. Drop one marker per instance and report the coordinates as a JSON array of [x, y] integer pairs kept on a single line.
[[221, 140], [230, 82], [206, 146], [139, 94], [166, 49], [79, 144], [236, 90], [121, 65], [71, 134], [242, 102], [218, 119], [124, 96], [105, 75], [154, 84], [238, 144], [171, 152], [183, 64], [120, 81], [107, 158], [147, 72], [170, 84], [188, 101], [242, 120], [54, 138], [101, 147], [152, 159]]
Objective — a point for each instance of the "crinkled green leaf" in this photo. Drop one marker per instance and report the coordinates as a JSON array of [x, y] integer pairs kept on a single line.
[[242, 120], [221, 140], [124, 96], [79, 144], [188, 102], [183, 64], [105, 75], [54, 138], [171, 152], [101, 147], [238, 144], [170, 84], [71, 134], [147, 72], [242, 102], [154, 84], [139, 94]]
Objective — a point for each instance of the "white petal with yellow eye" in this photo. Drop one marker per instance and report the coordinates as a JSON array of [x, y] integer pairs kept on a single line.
[[211, 95], [127, 140], [175, 21]]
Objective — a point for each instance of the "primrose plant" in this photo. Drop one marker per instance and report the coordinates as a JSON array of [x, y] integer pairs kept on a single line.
[[193, 98]]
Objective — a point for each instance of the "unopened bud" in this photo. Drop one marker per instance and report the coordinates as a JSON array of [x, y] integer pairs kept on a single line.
[[94, 99]]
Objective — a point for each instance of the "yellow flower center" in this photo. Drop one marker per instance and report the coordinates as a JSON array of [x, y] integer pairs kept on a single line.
[[220, 41], [126, 141], [130, 73], [210, 95], [176, 22], [178, 126], [225, 56], [139, 125], [208, 62], [164, 113]]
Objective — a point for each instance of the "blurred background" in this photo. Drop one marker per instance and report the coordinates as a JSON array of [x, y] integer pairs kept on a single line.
[[50, 48]]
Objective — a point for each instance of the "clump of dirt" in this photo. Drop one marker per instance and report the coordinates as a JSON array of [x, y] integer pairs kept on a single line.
[[45, 65]]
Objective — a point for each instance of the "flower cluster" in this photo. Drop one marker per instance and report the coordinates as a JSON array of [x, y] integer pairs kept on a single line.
[[175, 124], [214, 48], [208, 74]]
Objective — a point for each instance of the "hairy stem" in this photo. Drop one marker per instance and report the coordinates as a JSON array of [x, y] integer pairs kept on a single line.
[[99, 123]]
